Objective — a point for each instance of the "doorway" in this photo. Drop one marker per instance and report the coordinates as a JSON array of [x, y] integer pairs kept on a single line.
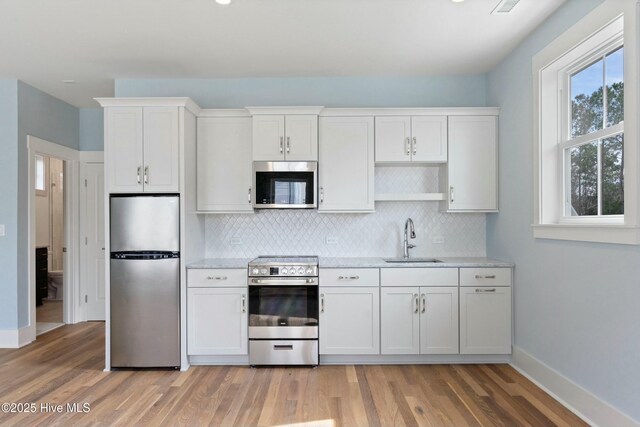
[[49, 182]]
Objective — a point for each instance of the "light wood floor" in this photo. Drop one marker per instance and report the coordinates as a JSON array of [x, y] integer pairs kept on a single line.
[[65, 366], [50, 311]]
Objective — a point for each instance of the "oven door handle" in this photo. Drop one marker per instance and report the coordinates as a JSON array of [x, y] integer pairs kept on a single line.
[[284, 282]]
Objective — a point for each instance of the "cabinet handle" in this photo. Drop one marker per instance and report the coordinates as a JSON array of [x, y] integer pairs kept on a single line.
[[249, 195], [244, 303], [415, 297], [485, 290], [478, 276], [216, 277], [281, 144], [146, 174], [408, 146], [288, 145], [451, 193], [321, 303], [348, 277], [424, 303], [415, 146], [321, 194], [139, 170]]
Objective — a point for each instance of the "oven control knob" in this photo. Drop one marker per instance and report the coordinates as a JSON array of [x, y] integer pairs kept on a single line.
[[263, 271], [255, 271], [309, 271], [284, 270], [300, 271]]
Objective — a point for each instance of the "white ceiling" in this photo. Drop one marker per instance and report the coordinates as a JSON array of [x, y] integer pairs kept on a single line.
[[94, 42]]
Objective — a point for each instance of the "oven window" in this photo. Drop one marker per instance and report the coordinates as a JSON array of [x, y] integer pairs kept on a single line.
[[283, 305], [284, 188]]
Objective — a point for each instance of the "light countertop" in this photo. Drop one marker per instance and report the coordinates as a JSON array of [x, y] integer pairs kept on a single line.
[[370, 262]]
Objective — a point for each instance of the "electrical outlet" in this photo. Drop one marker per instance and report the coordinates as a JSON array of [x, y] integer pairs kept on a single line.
[[235, 241], [438, 239], [331, 240], [1, 229]]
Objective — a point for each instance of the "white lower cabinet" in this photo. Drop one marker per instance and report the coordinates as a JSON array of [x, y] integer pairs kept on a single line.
[[349, 320], [217, 321], [485, 320], [419, 320]]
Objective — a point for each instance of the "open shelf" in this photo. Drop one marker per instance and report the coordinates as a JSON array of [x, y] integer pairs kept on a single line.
[[408, 197]]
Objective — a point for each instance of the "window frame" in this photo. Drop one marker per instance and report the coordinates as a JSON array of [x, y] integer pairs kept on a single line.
[[607, 27]]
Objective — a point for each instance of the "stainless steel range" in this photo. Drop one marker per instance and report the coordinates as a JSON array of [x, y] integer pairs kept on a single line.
[[283, 310]]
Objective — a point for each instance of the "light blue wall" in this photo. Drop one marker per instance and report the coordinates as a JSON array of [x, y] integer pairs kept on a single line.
[[8, 203], [91, 129], [576, 304], [46, 117], [431, 91]]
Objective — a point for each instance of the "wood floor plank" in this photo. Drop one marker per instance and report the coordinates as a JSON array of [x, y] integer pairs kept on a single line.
[[65, 366]]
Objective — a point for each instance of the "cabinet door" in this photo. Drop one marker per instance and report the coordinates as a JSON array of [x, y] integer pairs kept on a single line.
[[217, 321], [473, 172], [393, 139], [346, 166], [268, 137], [485, 320], [400, 320], [429, 139], [301, 137], [439, 320], [161, 149], [224, 164], [123, 146], [349, 320]]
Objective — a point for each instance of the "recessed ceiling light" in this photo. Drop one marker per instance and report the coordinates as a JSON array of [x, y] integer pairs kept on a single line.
[[223, 2], [457, 1], [70, 82]]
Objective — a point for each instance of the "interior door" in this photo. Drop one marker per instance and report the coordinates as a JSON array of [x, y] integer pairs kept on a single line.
[[93, 266]]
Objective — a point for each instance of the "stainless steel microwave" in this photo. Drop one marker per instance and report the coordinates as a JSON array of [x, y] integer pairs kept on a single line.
[[285, 185]]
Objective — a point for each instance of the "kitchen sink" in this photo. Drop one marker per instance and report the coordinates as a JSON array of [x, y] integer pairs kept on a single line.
[[410, 260]]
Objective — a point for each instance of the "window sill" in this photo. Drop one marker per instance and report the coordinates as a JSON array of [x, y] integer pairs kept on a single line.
[[617, 234]]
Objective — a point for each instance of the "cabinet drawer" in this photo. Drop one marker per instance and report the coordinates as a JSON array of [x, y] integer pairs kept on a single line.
[[485, 277], [349, 277], [419, 277], [214, 278]]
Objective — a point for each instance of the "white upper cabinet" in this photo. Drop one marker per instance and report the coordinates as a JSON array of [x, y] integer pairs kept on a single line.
[[346, 165], [142, 147], [224, 164], [402, 139], [292, 137], [473, 164]]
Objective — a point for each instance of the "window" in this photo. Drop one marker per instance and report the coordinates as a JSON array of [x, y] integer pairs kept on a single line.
[[41, 176], [594, 127], [585, 86]]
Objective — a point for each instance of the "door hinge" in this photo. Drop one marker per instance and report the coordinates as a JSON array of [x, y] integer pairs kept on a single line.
[[85, 182], [86, 299], [86, 240]]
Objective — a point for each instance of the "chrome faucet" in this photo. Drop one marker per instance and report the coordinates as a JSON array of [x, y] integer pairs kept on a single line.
[[408, 225]]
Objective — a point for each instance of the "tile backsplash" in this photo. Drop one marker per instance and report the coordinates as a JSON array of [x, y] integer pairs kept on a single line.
[[307, 232]]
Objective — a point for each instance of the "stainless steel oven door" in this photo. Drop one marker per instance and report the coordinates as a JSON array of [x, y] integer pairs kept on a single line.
[[283, 308]]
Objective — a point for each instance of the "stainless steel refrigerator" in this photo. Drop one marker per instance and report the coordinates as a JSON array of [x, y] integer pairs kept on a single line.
[[145, 281]]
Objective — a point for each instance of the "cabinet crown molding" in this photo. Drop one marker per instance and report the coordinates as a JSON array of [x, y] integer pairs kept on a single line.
[[412, 111], [285, 110], [185, 102]]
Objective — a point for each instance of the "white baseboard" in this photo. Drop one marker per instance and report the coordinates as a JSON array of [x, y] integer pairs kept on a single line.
[[16, 338], [578, 400]]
